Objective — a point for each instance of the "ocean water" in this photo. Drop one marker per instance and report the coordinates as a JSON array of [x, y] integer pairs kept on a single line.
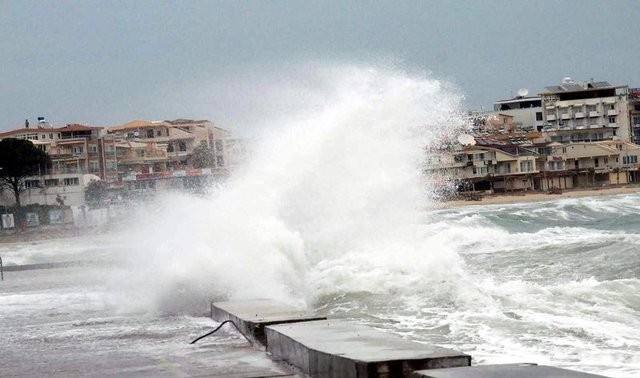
[[333, 212]]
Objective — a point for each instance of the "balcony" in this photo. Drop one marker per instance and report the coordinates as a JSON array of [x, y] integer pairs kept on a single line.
[[551, 117], [594, 114], [612, 125], [579, 115], [596, 126], [565, 116], [612, 112]]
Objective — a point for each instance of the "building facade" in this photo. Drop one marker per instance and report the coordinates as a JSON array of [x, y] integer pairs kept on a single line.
[[139, 157]]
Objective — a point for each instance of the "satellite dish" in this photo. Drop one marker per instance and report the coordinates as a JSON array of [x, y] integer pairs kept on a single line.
[[523, 92], [136, 134], [466, 140]]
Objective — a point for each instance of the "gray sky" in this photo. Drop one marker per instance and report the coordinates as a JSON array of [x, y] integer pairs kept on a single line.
[[108, 62]]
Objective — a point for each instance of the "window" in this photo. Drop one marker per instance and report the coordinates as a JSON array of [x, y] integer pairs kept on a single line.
[[219, 145], [170, 147], [636, 121], [526, 166], [50, 182], [182, 146], [78, 150], [140, 153], [150, 133], [94, 167], [71, 181], [93, 149], [158, 132], [32, 184], [591, 108], [43, 136], [612, 119], [220, 161], [538, 116], [480, 170], [50, 135], [596, 162], [612, 107], [606, 160]]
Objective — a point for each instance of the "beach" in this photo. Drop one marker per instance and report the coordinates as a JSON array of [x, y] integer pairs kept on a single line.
[[494, 199]]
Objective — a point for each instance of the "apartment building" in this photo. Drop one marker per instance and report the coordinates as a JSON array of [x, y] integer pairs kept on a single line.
[[156, 155], [75, 161], [489, 164], [634, 113], [586, 112], [525, 110], [138, 157]]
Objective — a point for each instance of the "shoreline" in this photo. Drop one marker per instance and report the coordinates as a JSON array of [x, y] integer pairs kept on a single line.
[[34, 236], [526, 197]]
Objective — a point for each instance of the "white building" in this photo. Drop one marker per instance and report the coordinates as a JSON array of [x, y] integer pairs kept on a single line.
[[525, 110], [587, 112]]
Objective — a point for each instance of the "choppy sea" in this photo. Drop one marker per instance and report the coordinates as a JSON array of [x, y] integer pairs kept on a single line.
[[553, 282]]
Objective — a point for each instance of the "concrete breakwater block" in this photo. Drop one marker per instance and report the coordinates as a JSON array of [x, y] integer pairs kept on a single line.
[[503, 371], [339, 348], [253, 315]]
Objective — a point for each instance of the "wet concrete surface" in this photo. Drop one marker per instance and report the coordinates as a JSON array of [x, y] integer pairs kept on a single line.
[[60, 323]]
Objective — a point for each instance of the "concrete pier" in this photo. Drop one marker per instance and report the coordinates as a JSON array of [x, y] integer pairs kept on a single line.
[[338, 348], [254, 315], [503, 371]]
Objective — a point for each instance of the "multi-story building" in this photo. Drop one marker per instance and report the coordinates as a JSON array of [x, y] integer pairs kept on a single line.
[[489, 164], [137, 157], [587, 112], [75, 161], [634, 113], [157, 155], [580, 135], [525, 110]]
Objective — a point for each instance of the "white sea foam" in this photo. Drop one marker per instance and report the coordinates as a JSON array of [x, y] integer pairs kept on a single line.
[[329, 202], [330, 213]]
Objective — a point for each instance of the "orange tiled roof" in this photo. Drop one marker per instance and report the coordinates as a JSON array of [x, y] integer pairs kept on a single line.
[[17, 131], [77, 127], [135, 125]]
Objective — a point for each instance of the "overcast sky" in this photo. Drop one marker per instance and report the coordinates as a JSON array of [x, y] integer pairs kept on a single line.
[[108, 62]]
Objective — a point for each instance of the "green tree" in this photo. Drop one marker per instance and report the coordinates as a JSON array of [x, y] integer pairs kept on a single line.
[[203, 156], [19, 159]]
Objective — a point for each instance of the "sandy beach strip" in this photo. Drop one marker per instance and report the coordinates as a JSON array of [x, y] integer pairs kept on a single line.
[[539, 196]]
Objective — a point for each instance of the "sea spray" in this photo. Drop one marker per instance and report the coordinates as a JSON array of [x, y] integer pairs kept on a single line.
[[331, 201]]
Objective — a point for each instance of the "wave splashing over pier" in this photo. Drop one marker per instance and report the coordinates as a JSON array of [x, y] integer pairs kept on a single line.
[[332, 201]]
